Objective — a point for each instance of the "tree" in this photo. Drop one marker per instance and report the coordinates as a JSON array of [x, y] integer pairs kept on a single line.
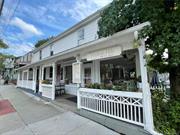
[[162, 35], [2, 58], [42, 42], [3, 45]]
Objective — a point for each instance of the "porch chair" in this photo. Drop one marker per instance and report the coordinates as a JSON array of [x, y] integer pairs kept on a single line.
[[60, 88]]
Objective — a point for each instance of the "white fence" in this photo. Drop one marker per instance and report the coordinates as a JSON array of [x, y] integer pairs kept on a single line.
[[26, 84], [126, 106], [47, 91], [71, 89]]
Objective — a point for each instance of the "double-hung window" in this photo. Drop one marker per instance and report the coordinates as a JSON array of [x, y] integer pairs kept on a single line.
[[81, 34]]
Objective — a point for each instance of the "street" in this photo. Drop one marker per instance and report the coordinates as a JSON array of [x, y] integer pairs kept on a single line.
[[34, 116]]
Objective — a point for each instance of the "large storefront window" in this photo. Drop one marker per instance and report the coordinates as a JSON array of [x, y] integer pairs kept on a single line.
[[117, 70], [68, 74], [47, 75], [30, 77], [87, 75], [59, 75]]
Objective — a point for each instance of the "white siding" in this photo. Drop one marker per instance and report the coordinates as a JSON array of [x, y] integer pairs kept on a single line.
[[70, 41], [35, 57], [65, 43], [90, 32], [46, 52]]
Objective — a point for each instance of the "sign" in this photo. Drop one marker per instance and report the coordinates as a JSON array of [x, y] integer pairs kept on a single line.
[[104, 53]]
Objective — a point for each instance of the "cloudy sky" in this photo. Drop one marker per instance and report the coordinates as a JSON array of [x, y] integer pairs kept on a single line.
[[24, 22]]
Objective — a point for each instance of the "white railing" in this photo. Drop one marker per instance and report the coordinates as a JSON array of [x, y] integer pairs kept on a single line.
[[126, 106], [71, 89], [47, 90], [160, 87], [28, 84]]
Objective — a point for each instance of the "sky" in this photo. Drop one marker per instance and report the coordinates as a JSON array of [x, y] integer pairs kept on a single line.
[[24, 22]]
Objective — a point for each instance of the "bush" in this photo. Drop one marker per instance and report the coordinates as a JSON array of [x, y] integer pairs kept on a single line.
[[166, 113]]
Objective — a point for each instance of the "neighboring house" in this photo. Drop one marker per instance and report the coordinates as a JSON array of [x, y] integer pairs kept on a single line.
[[11, 64], [23, 60], [8, 68], [78, 57]]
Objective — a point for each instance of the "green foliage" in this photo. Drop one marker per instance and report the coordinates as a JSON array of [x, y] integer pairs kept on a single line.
[[117, 87], [2, 58], [3, 45], [166, 113], [42, 42], [163, 33], [46, 82]]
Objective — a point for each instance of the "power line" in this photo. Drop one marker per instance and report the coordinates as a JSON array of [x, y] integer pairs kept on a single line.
[[6, 27]]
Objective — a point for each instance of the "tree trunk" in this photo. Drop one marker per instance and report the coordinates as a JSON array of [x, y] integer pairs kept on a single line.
[[175, 82]]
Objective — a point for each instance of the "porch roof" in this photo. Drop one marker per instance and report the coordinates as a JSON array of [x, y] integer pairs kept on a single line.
[[74, 51]]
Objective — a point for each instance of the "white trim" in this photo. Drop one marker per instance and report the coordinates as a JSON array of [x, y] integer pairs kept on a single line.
[[112, 92], [92, 43]]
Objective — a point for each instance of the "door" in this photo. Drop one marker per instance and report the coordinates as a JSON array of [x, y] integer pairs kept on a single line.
[[37, 80]]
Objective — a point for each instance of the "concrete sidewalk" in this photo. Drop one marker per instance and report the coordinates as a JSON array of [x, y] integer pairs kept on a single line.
[[34, 116]]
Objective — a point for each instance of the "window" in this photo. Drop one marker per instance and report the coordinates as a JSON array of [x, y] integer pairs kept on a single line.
[[30, 77], [87, 75], [20, 75], [81, 34], [40, 54], [51, 51], [50, 72], [25, 76], [68, 74], [116, 70]]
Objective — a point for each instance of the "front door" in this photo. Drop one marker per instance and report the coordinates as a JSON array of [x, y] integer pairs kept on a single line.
[[37, 80]]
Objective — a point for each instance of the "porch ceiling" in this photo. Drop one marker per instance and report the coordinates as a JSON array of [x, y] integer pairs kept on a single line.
[[123, 38]]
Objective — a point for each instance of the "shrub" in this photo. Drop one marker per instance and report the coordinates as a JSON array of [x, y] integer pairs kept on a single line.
[[166, 113]]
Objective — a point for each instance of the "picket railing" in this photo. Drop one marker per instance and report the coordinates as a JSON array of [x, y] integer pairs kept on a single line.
[[125, 106]]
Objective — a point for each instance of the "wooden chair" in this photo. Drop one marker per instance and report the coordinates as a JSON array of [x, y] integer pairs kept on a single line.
[[60, 88]]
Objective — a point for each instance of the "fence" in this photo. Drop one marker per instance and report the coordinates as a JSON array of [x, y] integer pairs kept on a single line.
[[126, 106]]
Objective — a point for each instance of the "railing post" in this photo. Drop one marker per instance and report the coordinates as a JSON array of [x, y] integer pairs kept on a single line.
[[53, 80], [147, 105], [78, 97]]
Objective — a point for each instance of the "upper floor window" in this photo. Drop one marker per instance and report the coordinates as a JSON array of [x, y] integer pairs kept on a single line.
[[40, 54], [81, 34], [51, 51]]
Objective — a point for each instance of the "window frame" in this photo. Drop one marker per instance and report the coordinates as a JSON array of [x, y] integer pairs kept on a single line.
[[81, 34]]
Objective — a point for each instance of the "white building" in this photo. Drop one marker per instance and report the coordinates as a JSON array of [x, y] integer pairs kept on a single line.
[[78, 58]]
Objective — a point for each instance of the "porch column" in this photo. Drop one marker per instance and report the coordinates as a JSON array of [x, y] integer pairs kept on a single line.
[[96, 70], [137, 65], [34, 79], [148, 116], [41, 77], [77, 77], [53, 80]]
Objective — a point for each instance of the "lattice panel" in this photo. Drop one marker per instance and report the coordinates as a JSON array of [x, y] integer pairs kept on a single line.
[[129, 109]]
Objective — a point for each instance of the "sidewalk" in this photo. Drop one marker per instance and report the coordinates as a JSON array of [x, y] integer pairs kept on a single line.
[[34, 116]]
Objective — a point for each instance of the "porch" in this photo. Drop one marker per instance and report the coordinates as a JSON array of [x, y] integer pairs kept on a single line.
[[109, 77]]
